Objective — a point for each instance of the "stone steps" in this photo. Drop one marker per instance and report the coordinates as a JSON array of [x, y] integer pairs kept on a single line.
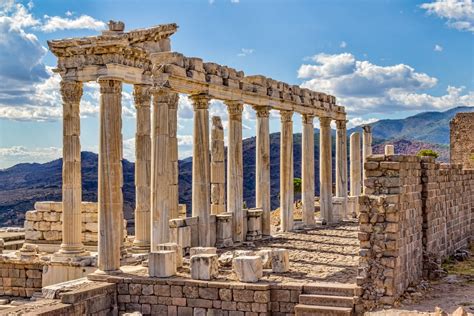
[[326, 288], [312, 310], [326, 300]]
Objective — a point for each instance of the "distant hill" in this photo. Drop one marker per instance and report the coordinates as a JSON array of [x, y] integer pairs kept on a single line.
[[24, 184]]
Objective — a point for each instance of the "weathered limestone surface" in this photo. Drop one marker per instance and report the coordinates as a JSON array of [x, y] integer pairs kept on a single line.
[[162, 263], [254, 224], [462, 139], [201, 203], [325, 169], [286, 171], [389, 150], [280, 260], [176, 248], [341, 166], [248, 268], [218, 196], [173, 155], [355, 179], [307, 170], [366, 146], [262, 167], [110, 199], [204, 266], [20, 278], [142, 97], [235, 169], [224, 230]]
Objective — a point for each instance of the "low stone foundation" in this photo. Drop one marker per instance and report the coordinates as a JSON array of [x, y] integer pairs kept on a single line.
[[20, 278]]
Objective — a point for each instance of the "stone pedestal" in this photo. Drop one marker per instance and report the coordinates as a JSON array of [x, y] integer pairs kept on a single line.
[[355, 179], [217, 167], [341, 166], [234, 169], [325, 169], [254, 224], [280, 260], [176, 248], [162, 264], [224, 230], [389, 150], [204, 267], [307, 170], [339, 205], [181, 236], [142, 98], [286, 171], [201, 203], [262, 167], [110, 199], [248, 268]]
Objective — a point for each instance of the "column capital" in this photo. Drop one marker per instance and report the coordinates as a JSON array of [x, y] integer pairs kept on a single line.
[[262, 111], [286, 115], [325, 121], [341, 124], [235, 109], [142, 95], [71, 91], [307, 118], [367, 128], [110, 84], [174, 99], [200, 101]]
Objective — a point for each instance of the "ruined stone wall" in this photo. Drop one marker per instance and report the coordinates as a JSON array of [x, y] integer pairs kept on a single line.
[[414, 210], [462, 139], [20, 278]]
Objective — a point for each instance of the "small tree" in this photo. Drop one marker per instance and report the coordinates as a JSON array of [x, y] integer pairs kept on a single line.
[[427, 152], [297, 185]]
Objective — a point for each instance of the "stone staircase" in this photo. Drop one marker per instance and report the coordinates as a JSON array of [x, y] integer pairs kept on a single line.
[[327, 299]]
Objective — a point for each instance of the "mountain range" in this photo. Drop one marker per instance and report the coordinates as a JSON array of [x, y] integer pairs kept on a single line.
[[26, 183]]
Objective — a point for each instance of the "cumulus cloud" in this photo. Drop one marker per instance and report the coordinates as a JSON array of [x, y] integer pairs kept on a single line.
[[364, 87], [56, 23], [458, 13], [357, 121], [10, 156], [245, 52], [438, 48]]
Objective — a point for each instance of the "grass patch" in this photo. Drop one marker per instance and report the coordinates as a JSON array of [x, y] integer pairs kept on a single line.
[[461, 268]]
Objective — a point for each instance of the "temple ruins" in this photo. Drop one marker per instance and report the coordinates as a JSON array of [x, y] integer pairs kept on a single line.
[[383, 228]]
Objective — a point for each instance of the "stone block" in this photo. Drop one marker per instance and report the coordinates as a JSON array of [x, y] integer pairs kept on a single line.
[[280, 260], [162, 263], [254, 224], [248, 268], [204, 266], [176, 248], [202, 250], [224, 230], [266, 255]]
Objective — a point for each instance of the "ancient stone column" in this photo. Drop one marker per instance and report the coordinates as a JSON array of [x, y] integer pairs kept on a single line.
[[235, 194], [341, 162], [366, 147], [160, 168], [110, 199], [173, 155], [355, 178], [142, 97], [286, 171], [307, 169], [217, 167], [389, 150], [262, 166], [71, 93], [325, 169], [201, 203]]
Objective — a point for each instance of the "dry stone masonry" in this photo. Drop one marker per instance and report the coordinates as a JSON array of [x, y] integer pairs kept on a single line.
[[462, 139]]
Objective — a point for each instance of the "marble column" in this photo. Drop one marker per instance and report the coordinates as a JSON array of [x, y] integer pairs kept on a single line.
[[366, 148], [110, 199], [286, 171], [173, 155], [341, 165], [217, 167], [71, 246], [142, 97], [201, 203], [160, 168], [262, 165], [307, 169], [235, 194], [355, 178], [325, 169]]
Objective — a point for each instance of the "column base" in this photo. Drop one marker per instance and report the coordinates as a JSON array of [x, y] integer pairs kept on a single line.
[[101, 275], [70, 256], [140, 249]]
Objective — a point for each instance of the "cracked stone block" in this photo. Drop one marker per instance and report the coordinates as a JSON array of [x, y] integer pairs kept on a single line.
[[202, 250], [204, 266], [162, 263], [176, 248], [280, 260], [248, 268]]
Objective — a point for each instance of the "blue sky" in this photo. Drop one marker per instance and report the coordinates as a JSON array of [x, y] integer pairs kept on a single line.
[[380, 58]]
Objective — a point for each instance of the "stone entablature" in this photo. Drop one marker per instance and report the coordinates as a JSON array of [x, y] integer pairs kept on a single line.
[[462, 139]]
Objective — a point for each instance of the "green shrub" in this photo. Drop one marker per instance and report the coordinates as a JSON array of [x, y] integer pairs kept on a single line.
[[427, 152]]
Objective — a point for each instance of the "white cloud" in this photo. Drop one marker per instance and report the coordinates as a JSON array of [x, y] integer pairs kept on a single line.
[[245, 52], [357, 121], [68, 13], [343, 44], [458, 13], [438, 48], [365, 88], [10, 156], [56, 23], [234, 1]]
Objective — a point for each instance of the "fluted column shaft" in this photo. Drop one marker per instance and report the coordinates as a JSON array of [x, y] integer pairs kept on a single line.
[[160, 168], [341, 164], [217, 167], [142, 97], [201, 204], [307, 169], [110, 197], [366, 149], [173, 155], [262, 166], [325, 169], [355, 178], [234, 169], [286, 171], [71, 93]]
